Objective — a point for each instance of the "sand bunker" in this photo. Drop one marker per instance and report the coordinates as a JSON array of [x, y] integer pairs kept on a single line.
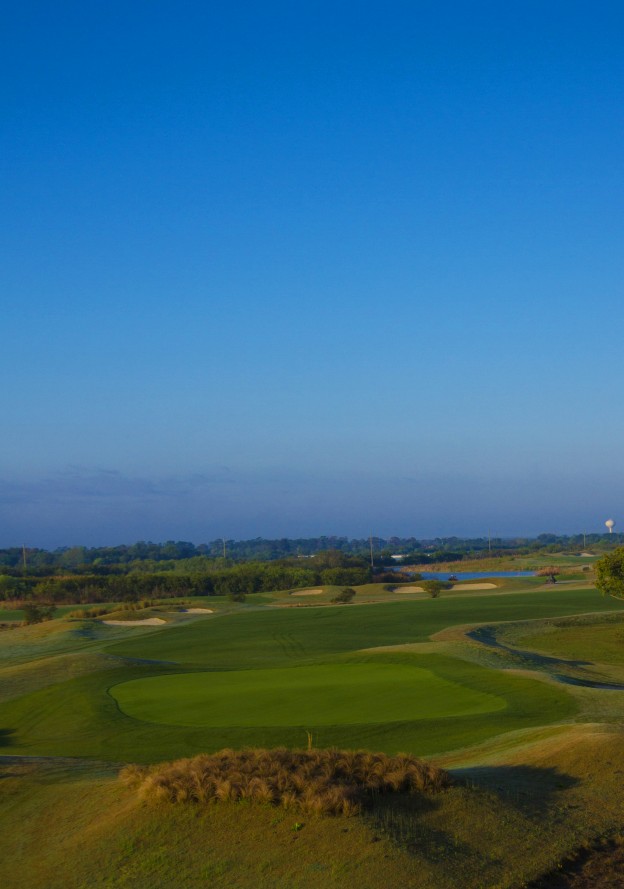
[[308, 593], [146, 622], [474, 586], [410, 589], [198, 611]]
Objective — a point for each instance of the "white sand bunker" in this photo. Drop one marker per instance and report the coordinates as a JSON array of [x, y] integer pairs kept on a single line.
[[146, 622], [410, 589], [308, 593], [474, 586], [198, 611]]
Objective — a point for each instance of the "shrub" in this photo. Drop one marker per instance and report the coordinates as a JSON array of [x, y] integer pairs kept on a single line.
[[329, 782], [345, 596], [86, 613], [435, 587], [36, 613]]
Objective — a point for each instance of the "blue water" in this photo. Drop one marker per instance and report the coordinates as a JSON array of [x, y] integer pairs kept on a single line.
[[473, 575]]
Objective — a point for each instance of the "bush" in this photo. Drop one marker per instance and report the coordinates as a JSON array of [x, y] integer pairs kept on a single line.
[[435, 587], [345, 596], [236, 597], [610, 573], [86, 613], [331, 782], [344, 576], [36, 613]]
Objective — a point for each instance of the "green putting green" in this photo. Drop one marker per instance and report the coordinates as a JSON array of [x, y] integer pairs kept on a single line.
[[305, 696]]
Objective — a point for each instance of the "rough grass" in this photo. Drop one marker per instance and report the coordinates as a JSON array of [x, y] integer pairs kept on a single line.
[[508, 818], [602, 643], [327, 782]]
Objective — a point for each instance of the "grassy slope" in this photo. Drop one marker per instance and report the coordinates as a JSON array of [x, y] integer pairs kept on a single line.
[[80, 718], [602, 643], [78, 827]]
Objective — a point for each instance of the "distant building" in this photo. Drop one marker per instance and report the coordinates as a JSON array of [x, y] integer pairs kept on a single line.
[[399, 558]]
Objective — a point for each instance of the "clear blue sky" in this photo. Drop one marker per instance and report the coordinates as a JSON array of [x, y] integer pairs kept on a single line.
[[287, 269]]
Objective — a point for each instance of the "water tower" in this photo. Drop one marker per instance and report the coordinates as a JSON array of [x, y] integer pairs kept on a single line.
[[610, 523]]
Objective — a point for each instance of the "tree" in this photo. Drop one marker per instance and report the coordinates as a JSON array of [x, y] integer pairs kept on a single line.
[[36, 614], [435, 587], [610, 574]]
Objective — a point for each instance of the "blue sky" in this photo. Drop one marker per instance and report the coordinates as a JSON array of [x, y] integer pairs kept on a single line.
[[275, 270]]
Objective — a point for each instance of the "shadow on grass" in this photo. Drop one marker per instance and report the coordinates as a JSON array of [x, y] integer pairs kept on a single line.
[[531, 790], [400, 817], [6, 736]]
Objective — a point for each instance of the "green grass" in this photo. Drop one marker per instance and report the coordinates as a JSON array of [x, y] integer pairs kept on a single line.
[[79, 717], [262, 676], [306, 696], [279, 637], [69, 825], [598, 644]]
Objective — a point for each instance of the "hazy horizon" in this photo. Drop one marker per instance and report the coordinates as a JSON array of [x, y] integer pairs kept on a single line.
[[275, 271]]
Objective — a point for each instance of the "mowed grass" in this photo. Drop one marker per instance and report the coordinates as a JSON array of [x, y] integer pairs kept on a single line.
[[598, 644], [306, 696], [279, 637], [537, 795], [80, 717]]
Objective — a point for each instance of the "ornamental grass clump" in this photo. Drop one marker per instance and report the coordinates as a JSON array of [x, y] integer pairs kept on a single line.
[[325, 782]]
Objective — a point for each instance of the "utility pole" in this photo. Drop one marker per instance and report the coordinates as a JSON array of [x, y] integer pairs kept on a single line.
[[370, 540], [224, 554], [24, 556], [490, 542]]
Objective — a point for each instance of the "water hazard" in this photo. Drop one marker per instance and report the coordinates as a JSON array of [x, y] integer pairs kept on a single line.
[[472, 575]]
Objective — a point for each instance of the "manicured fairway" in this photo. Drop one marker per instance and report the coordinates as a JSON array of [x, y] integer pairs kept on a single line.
[[64, 676], [279, 637], [306, 696]]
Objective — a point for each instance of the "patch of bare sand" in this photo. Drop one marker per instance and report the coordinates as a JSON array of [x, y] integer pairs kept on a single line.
[[198, 611], [474, 586], [316, 592], [410, 589], [146, 622]]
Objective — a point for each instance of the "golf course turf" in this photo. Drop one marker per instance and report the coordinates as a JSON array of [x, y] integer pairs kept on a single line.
[[79, 698], [306, 696]]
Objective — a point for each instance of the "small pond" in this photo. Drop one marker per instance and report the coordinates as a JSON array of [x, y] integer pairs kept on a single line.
[[472, 575]]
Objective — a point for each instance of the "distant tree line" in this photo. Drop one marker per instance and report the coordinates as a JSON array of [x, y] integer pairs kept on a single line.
[[327, 569], [187, 558]]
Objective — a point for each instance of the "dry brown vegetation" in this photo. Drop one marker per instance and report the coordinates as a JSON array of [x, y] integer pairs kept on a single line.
[[332, 782]]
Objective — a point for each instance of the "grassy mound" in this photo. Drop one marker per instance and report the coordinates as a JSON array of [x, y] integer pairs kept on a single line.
[[335, 782]]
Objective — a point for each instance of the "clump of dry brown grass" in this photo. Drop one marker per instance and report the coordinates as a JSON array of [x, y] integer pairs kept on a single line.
[[332, 781]]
